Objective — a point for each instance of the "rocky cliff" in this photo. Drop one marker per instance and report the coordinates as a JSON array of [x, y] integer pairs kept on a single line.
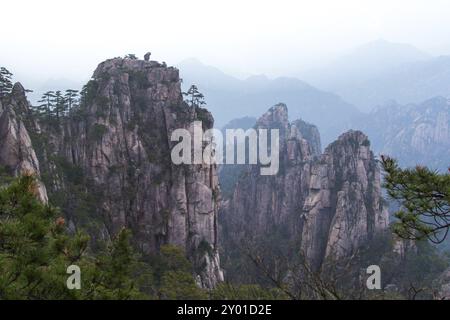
[[414, 134], [107, 163], [17, 155], [328, 203]]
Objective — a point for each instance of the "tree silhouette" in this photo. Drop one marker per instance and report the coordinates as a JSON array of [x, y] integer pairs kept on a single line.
[[59, 105], [47, 104], [5, 81], [131, 56], [194, 97], [424, 196], [71, 98]]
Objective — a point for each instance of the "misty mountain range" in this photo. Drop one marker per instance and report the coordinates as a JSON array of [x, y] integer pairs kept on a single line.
[[106, 163], [376, 84], [228, 97], [381, 71]]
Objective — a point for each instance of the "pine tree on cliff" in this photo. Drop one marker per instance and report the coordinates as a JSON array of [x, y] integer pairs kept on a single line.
[[131, 56], [59, 105], [424, 196], [46, 104], [71, 99], [194, 97], [5, 81]]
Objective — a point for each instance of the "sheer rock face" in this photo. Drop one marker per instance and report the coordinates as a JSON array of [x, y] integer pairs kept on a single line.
[[330, 202], [311, 134], [117, 149], [413, 134], [16, 151]]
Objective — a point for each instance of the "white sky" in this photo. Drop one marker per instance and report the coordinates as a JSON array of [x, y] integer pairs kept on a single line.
[[67, 39]]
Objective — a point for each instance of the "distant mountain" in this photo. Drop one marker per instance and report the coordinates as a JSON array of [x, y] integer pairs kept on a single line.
[[409, 83], [324, 205], [354, 75], [228, 98], [414, 134]]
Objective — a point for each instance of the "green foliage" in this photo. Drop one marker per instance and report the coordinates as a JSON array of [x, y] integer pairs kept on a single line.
[[204, 116], [88, 93], [71, 98], [177, 285], [46, 104], [173, 275], [425, 199], [194, 97], [35, 251], [111, 278], [55, 105], [59, 105], [419, 266], [171, 258]]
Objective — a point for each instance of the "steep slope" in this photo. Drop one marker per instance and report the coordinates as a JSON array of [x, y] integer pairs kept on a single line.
[[229, 174], [17, 155], [107, 164], [326, 204]]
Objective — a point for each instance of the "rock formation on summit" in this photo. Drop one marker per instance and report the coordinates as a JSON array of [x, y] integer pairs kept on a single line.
[[17, 155], [108, 166], [330, 203]]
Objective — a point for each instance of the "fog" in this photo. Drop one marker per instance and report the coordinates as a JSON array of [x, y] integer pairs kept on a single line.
[[46, 39]]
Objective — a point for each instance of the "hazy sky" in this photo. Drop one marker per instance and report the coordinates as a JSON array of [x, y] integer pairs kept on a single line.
[[55, 39]]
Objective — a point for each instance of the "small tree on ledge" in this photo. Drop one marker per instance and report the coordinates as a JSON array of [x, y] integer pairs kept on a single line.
[[194, 97], [131, 56]]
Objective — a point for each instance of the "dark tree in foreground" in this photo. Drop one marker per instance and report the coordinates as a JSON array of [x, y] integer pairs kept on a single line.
[[194, 97], [35, 251], [424, 196], [5, 81]]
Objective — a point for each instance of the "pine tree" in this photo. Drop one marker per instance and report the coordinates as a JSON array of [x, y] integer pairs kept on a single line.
[[71, 99], [173, 275], [131, 56], [59, 105], [6, 84], [195, 97], [35, 251], [424, 196], [114, 268], [47, 104]]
